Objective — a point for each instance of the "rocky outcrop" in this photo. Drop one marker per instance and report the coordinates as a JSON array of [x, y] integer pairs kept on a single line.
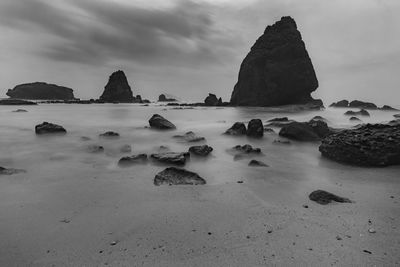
[[20, 110], [163, 98], [41, 91], [159, 122], [190, 137], [49, 128], [117, 89], [355, 119], [277, 70], [340, 104], [133, 160], [389, 108], [255, 128], [368, 145], [323, 197], [305, 131], [171, 157], [238, 128], [16, 102], [177, 176], [362, 112], [362, 105], [202, 151]]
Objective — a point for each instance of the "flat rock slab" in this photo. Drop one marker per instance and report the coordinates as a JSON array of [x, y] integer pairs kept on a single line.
[[190, 137], [10, 171], [201, 150], [323, 197], [257, 163], [109, 134], [171, 157], [177, 176], [49, 128], [159, 122], [132, 160]]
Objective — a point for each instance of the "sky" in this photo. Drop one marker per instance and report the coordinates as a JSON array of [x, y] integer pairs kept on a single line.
[[188, 49]]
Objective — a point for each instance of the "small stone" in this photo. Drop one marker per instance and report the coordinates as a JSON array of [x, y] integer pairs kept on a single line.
[[113, 243], [367, 251], [338, 238], [240, 182], [372, 230], [305, 206]]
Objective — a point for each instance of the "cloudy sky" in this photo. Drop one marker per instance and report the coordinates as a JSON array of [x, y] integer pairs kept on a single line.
[[190, 48]]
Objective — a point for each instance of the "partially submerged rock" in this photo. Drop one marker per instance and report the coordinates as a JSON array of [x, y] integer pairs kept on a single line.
[[201, 150], [159, 122], [238, 128], [268, 130], [354, 119], [171, 157], [340, 104], [279, 119], [257, 163], [20, 110], [323, 197], [95, 149], [367, 145], [255, 128], [15, 102], [109, 134], [177, 176], [10, 171], [396, 115], [280, 141], [362, 112], [49, 128], [305, 131], [389, 108], [132, 160], [190, 137], [163, 98], [245, 151], [211, 100], [362, 105]]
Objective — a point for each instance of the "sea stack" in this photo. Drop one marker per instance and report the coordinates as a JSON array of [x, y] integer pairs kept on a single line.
[[41, 91], [277, 70], [117, 89]]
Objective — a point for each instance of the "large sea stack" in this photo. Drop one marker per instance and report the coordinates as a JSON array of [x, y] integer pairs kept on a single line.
[[277, 70], [117, 89], [41, 91]]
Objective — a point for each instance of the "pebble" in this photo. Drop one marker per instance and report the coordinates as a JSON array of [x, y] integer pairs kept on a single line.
[[305, 206], [372, 231]]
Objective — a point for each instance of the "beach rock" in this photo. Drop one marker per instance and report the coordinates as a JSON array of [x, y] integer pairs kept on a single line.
[[132, 160], [20, 110], [41, 90], [256, 163], [200, 150], [323, 197], [354, 119], [95, 149], [389, 108], [255, 128], [277, 70], [177, 176], [340, 104], [171, 157], [367, 145], [16, 102], [10, 171], [305, 131], [159, 122], [211, 100], [163, 98], [238, 128], [125, 149], [190, 137], [362, 105], [117, 89], [396, 115], [109, 134], [362, 112], [49, 128]]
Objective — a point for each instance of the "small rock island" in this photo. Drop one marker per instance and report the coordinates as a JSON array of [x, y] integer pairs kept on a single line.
[[117, 89], [41, 91]]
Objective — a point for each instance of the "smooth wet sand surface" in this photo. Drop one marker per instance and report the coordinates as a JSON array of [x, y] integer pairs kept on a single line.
[[74, 208]]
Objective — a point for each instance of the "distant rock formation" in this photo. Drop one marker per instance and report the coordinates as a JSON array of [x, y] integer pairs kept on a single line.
[[41, 91], [16, 102], [340, 104], [117, 89], [163, 98], [277, 70], [212, 100]]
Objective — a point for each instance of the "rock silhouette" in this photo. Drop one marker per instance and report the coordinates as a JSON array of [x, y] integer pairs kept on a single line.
[[41, 91], [117, 89], [277, 70]]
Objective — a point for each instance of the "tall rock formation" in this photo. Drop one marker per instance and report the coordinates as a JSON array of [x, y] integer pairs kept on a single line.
[[117, 89], [277, 70], [41, 91]]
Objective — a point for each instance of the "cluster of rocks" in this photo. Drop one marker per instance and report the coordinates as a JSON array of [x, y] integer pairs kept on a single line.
[[359, 104], [255, 128]]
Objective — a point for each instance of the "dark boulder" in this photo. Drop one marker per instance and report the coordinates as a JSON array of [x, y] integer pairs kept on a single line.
[[49, 128], [340, 104], [163, 98], [201, 150], [245, 151], [389, 108], [257, 163], [362, 112], [362, 105], [41, 91], [159, 122], [177, 176], [238, 128], [367, 145], [117, 89], [278, 122], [305, 131], [109, 134], [133, 160], [284, 119], [211, 100], [10, 171], [190, 137], [323, 197], [171, 157], [255, 128], [277, 70], [16, 102]]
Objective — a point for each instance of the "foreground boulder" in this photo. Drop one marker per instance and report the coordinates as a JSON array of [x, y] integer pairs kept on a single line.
[[323, 197], [159, 122], [132, 160], [202, 151], [177, 176], [277, 70], [41, 91], [117, 89], [368, 145], [10, 171], [16, 102], [49, 128], [305, 131], [171, 157], [255, 128], [190, 137], [238, 128], [362, 105]]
